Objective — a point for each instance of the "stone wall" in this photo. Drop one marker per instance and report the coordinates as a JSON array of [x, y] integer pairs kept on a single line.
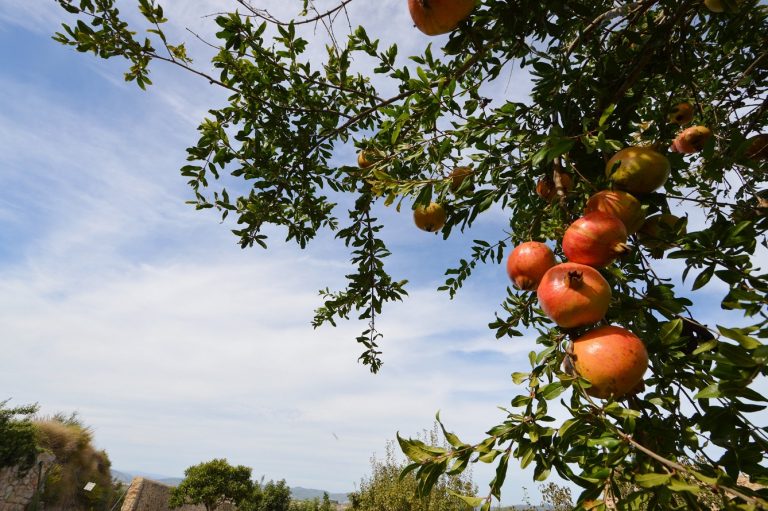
[[147, 495], [15, 491]]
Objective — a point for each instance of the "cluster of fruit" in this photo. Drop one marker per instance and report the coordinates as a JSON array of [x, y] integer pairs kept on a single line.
[[574, 294]]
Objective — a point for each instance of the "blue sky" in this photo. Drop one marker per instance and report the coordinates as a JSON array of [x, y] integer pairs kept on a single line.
[[121, 302]]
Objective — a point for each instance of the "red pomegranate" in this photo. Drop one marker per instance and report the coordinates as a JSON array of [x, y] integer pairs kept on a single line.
[[528, 262], [434, 17], [595, 239], [547, 189], [682, 113], [574, 295], [612, 358], [691, 140], [620, 204]]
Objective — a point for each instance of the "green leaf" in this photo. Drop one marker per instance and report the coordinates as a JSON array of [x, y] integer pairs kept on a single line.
[[746, 342], [489, 456], [519, 378], [417, 451], [703, 278], [710, 392], [670, 331], [606, 114], [501, 474], [551, 390], [678, 485], [560, 147], [450, 437], [652, 479], [471, 501]]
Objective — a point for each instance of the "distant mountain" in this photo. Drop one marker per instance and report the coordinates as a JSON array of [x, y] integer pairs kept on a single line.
[[297, 492], [123, 477]]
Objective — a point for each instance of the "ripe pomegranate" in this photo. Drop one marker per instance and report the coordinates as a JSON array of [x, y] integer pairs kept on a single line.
[[574, 295], [758, 147], [681, 113], [620, 204], [691, 140], [430, 218], [457, 177], [638, 170], [719, 6], [715, 5], [528, 262], [364, 159], [595, 239], [434, 17], [612, 358], [547, 189]]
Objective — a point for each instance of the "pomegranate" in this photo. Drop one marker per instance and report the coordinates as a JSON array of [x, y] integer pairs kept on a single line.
[[434, 17], [612, 358], [620, 204], [364, 159], [430, 218], [638, 170], [681, 113], [458, 176], [528, 262], [547, 190], [574, 295], [758, 147], [595, 239], [691, 140]]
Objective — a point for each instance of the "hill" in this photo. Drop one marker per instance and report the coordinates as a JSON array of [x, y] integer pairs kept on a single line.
[[297, 492]]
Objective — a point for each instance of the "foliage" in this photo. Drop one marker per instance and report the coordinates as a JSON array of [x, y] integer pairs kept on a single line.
[[272, 496], [18, 445], [554, 498], [605, 75], [213, 483], [384, 489], [77, 462], [315, 504]]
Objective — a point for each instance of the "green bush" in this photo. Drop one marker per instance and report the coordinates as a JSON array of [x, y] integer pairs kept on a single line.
[[77, 463], [18, 445]]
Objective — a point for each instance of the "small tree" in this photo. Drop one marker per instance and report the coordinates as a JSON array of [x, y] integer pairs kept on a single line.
[[385, 489], [211, 484], [326, 505], [305, 505], [17, 437], [272, 496]]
